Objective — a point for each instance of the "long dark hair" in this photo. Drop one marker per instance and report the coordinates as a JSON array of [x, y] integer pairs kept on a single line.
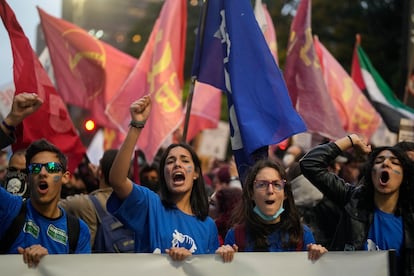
[[198, 198], [406, 194], [289, 226]]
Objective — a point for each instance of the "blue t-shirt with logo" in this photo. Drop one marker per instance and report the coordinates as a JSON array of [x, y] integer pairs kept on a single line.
[[49, 233], [158, 227], [386, 232], [274, 239]]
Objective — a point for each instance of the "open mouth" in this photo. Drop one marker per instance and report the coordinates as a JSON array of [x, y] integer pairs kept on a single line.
[[385, 176], [269, 202], [43, 186], [178, 177]]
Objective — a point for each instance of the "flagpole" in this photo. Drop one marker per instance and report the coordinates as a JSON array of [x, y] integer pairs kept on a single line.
[[194, 78]]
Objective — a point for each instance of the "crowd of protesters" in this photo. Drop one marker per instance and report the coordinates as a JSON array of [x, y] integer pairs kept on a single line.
[[343, 195]]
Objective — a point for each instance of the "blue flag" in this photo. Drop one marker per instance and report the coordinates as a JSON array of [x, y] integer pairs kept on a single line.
[[232, 55]]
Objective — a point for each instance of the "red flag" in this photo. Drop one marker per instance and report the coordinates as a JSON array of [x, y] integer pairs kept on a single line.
[[205, 109], [266, 24], [354, 109], [304, 79], [88, 71], [158, 72], [51, 120]]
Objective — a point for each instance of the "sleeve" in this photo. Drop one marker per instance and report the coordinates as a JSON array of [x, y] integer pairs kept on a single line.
[[307, 237], [84, 246], [230, 238], [314, 166], [6, 140], [133, 211], [214, 239], [9, 208]]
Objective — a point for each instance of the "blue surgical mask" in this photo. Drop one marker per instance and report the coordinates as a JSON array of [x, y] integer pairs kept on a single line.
[[266, 217]]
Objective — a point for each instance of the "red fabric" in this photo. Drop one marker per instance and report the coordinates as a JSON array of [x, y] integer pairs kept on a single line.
[[88, 71], [205, 109], [356, 72], [355, 111], [159, 72], [51, 120], [304, 79], [270, 34]]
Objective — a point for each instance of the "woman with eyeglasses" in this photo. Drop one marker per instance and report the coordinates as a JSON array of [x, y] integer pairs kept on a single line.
[[38, 226], [267, 219]]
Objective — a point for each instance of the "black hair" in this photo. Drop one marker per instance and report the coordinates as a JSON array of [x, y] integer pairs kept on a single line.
[[198, 198], [406, 194], [106, 163], [44, 145]]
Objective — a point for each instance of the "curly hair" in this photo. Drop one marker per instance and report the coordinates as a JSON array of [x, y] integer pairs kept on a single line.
[[290, 226]]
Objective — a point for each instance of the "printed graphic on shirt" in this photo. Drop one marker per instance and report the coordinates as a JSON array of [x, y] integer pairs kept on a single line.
[[371, 246], [31, 228], [57, 234], [181, 240]]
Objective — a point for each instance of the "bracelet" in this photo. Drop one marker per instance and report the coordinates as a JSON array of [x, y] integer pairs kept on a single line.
[[350, 139], [9, 127], [137, 124]]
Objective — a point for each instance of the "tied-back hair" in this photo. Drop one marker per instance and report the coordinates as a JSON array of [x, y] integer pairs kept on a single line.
[[42, 145], [406, 194], [198, 197], [291, 230]]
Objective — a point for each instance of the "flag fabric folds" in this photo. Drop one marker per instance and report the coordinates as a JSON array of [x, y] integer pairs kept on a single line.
[[88, 72], [159, 72], [51, 120], [266, 25], [354, 109], [380, 94], [233, 56], [205, 109], [304, 79]]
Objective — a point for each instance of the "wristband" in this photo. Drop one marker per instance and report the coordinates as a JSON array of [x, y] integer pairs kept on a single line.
[[350, 139], [137, 124], [9, 127]]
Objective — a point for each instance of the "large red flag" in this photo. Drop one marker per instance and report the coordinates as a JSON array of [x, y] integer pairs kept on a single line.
[[304, 79], [354, 109], [88, 72], [51, 120], [205, 109], [158, 72]]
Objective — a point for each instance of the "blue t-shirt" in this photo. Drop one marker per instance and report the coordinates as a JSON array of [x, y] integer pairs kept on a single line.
[[158, 228], [274, 240], [49, 233], [386, 232]]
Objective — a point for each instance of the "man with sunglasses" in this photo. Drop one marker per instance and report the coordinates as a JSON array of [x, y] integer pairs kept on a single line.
[[45, 228]]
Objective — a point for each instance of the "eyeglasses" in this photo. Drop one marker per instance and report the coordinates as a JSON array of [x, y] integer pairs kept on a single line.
[[277, 185], [51, 167]]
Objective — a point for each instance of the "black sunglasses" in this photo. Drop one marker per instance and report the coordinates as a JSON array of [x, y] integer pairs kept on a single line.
[[51, 167]]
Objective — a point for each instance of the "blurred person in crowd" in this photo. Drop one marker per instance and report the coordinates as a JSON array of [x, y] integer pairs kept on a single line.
[[376, 215], [4, 164], [81, 206], [23, 105], [267, 219], [293, 154], [148, 177], [221, 207], [45, 227], [351, 169], [407, 147], [175, 222], [16, 176]]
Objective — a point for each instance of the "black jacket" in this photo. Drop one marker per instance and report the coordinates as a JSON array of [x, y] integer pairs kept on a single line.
[[357, 211]]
